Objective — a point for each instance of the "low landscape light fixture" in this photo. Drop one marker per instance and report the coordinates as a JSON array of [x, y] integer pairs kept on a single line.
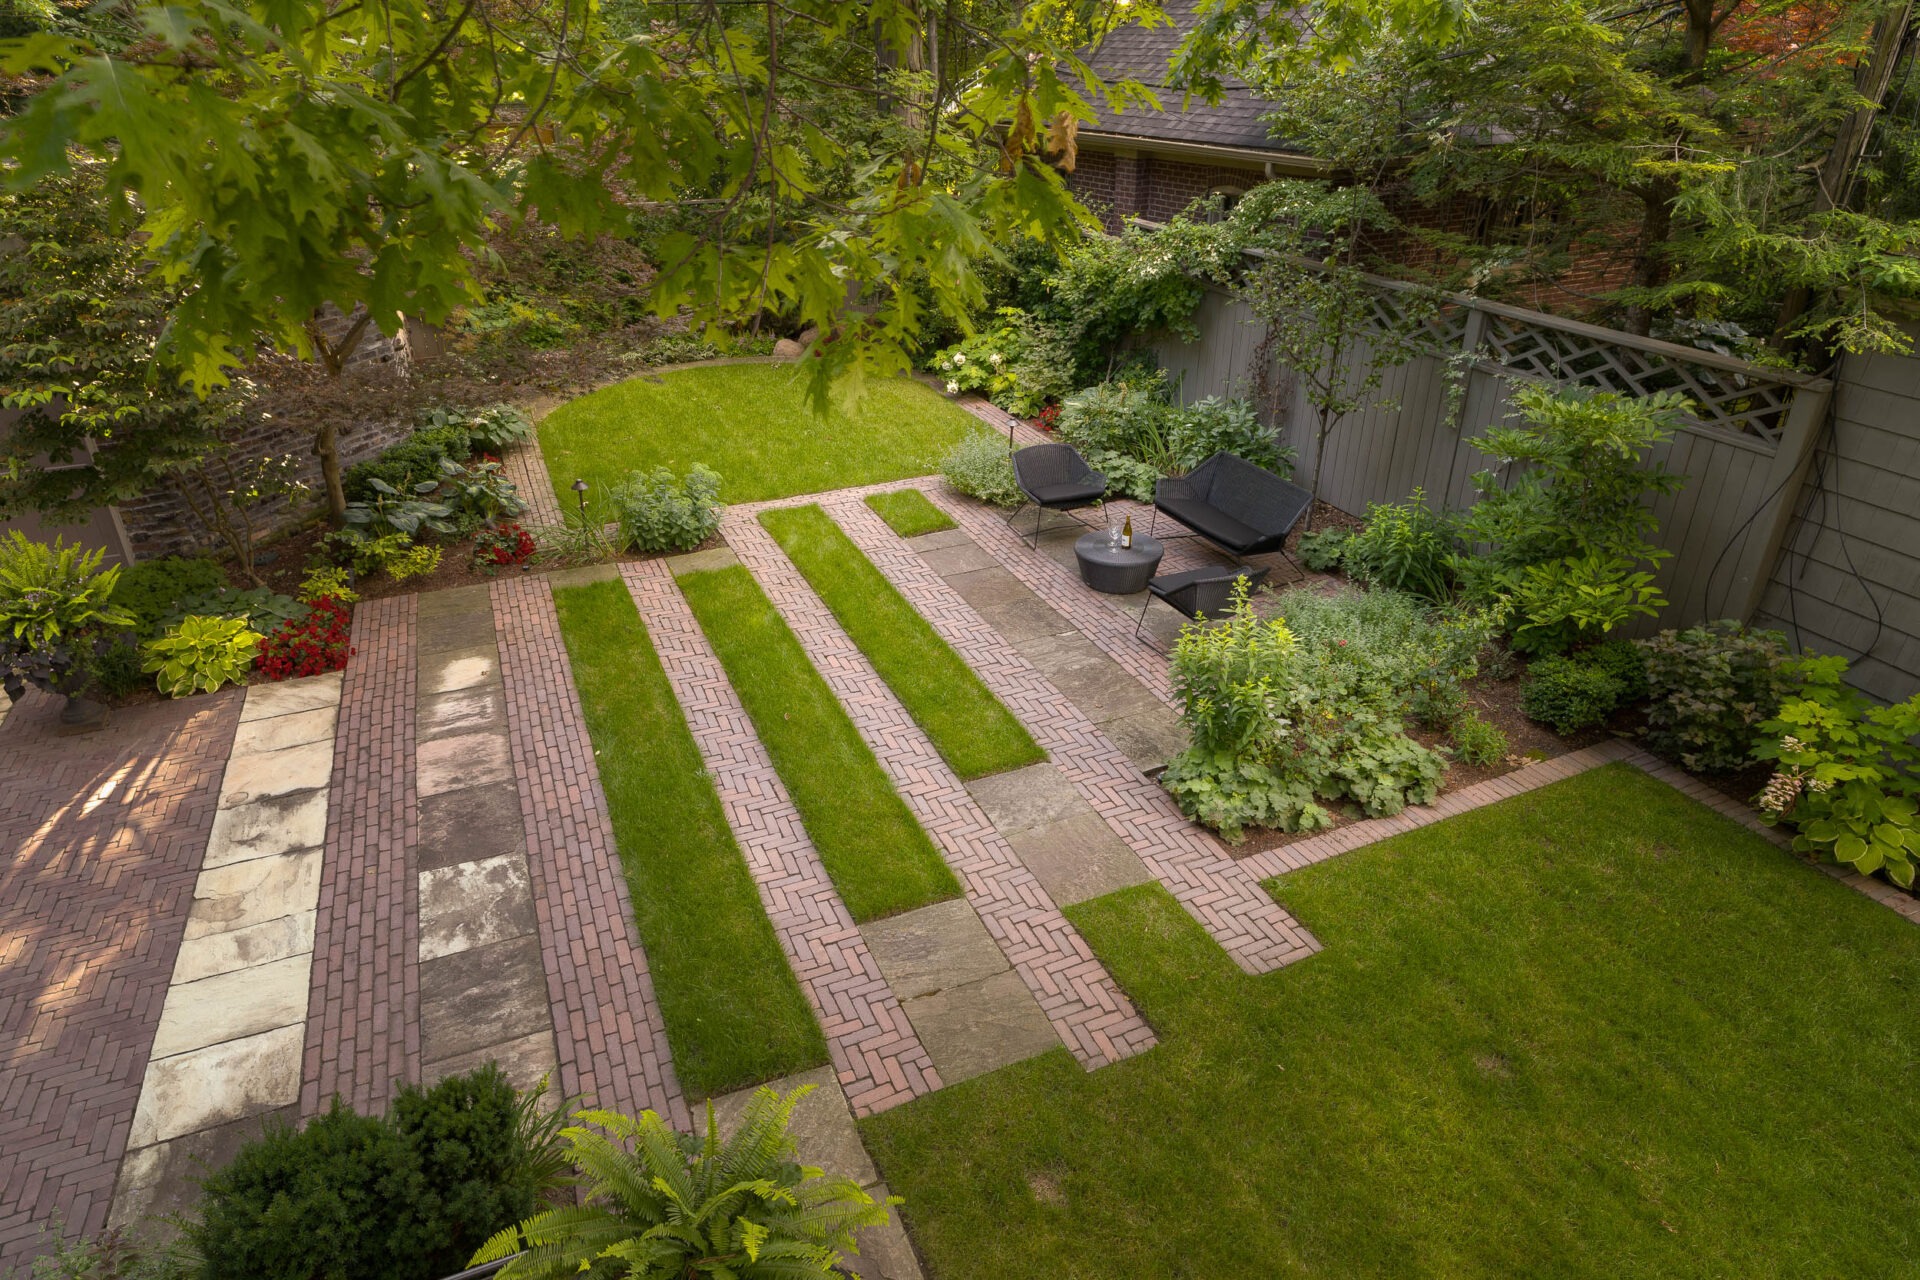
[[580, 487]]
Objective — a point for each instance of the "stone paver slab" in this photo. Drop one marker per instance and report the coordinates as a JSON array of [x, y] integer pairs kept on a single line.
[[1029, 797], [465, 760], [253, 892], [288, 697], [440, 631], [295, 729], [981, 1027], [525, 1061], [479, 822], [938, 538], [164, 1179], [1149, 738], [886, 1253], [471, 904], [263, 775], [229, 1006], [1078, 858], [257, 944], [961, 557], [219, 1084], [479, 709], [266, 827], [459, 668], [823, 1129], [481, 997], [474, 598], [701, 561], [933, 948]]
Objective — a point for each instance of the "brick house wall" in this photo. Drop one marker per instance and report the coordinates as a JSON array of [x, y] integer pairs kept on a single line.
[[1118, 186]]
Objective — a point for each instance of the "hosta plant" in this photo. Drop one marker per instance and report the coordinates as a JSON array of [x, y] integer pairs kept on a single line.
[[55, 606], [1847, 775], [662, 1205], [201, 655]]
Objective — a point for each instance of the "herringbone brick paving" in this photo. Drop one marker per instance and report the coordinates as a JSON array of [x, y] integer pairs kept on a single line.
[[1222, 896], [526, 467], [611, 1040], [363, 1012], [876, 1054], [1094, 1019], [104, 833]]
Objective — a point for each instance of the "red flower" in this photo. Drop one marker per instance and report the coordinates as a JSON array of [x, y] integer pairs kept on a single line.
[[309, 645]]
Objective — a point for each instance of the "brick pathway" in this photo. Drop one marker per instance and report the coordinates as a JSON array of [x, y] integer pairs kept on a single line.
[[104, 834], [877, 1056], [363, 1017], [526, 467], [1094, 1019], [611, 1041], [1219, 892]]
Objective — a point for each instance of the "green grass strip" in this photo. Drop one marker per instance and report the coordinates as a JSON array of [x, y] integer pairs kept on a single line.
[[969, 726], [908, 512], [735, 1013], [878, 857]]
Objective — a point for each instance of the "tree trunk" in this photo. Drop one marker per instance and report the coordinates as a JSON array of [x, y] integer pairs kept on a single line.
[[326, 441], [1650, 262]]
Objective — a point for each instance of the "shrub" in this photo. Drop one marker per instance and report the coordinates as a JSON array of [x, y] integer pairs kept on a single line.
[[328, 580], [1322, 550], [153, 590], [1624, 661], [661, 1203], [1711, 687], [1126, 477], [1115, 418], [411, 511], [55, 611], [1847, 774], [659, 511], [1405, 546], [1478, 742], [1277, 723], [406, 1197], [413, 461], [1566, 696], [117, 663], [502, 546], [981, 467], [1400, 656], [1562, 603], [477, 493], [317, 642], [393, 554], [201, 655], [1213, 425]]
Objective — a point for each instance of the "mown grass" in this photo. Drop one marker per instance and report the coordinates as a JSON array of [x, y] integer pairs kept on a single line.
[[734, 1012], [971, 728], [878, 857], [908, 513], [1593, 1031], [751, 423]]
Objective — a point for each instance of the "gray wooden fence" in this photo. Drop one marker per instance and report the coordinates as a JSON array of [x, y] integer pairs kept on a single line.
[[1745, 452]]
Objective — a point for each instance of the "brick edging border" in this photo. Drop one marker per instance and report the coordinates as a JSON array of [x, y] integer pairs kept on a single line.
[[1305, 853]]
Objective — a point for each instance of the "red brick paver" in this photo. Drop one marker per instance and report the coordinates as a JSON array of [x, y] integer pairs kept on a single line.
[[877, 1056], [1221, 894], [1092, 1016], [607, 1027], [526, 467], [363, 1011], [104, 833]]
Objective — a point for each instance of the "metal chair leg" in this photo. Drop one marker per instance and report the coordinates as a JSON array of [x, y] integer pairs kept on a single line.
[[1039, 515], [1144, 606]]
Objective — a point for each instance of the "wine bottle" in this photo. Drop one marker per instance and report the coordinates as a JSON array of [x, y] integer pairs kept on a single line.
[[1126, 534]]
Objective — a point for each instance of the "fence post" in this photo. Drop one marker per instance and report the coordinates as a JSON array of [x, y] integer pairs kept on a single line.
[[1779, 496]]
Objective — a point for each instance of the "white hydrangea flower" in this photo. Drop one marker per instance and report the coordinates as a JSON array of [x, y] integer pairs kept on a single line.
[[953, 388], [959, 358], [995, 359]]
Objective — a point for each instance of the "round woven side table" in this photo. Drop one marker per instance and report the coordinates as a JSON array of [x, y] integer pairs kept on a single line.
[[1118, 571]]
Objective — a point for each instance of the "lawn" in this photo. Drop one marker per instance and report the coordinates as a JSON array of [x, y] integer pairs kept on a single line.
[[753, 425], [971, 729], [734, 1012], [1593, 1031], [878, 857], [908, 513]]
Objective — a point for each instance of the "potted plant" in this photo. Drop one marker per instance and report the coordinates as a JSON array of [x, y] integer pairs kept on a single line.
[[55, 613]]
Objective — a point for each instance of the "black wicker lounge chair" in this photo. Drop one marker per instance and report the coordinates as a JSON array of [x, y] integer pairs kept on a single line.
[[1054, 477], [1233, 504], [1198, 592]]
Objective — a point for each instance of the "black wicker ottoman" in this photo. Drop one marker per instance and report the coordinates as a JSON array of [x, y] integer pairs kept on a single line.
[[1118, 571]]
